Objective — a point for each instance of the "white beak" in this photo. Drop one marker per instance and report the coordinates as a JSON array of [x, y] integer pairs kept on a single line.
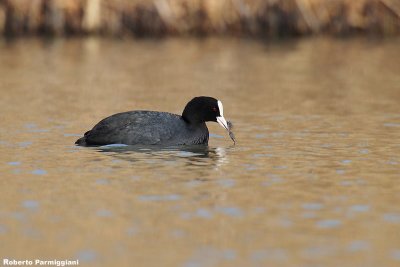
[[221, 120]]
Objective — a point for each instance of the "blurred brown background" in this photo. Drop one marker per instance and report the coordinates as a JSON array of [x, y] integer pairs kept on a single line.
[[259, 18]]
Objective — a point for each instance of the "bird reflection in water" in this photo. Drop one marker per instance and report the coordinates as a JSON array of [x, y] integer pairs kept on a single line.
[[194, 155]]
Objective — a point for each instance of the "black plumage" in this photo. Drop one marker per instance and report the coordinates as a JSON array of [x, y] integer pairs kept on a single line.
[[157, 128]]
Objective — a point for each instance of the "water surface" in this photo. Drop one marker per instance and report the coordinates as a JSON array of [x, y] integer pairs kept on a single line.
[[312, 181]]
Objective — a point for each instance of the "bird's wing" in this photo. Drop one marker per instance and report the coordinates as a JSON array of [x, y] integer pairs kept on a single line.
[[134, 127]]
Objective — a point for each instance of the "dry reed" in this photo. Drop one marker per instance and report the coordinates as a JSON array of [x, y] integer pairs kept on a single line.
[[260, 18]]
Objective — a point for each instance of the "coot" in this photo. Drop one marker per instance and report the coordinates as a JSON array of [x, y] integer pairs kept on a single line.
[[142, 127]]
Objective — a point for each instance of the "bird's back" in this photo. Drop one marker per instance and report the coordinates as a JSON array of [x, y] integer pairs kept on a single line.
[[144, 128]]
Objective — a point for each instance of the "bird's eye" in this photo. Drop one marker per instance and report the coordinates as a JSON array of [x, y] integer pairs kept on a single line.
[[214, 109]]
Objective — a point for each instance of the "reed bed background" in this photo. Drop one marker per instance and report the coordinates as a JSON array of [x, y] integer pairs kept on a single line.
[[258, 18]]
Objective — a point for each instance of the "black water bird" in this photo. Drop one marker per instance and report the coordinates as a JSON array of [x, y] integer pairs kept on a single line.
[[141, 127]]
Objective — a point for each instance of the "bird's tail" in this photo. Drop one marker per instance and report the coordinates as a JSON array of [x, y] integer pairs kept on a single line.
[[81, 141]]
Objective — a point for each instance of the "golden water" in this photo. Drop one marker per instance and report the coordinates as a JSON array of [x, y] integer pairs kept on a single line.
[[312, 181]]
